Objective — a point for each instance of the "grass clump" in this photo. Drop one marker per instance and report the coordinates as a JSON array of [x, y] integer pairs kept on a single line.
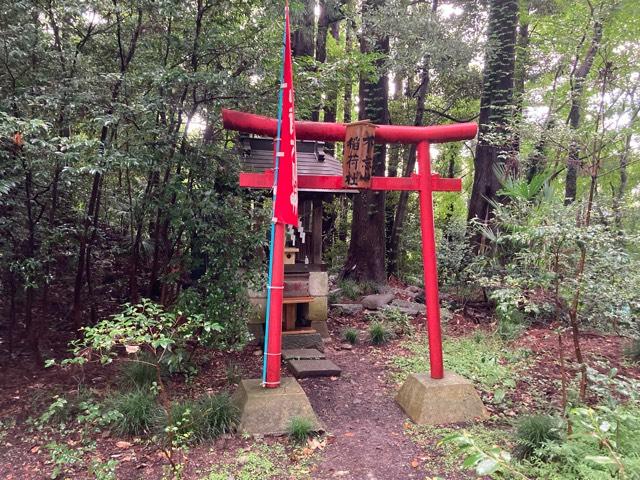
[[206, 418], [354, 290], [379, 333], [217, 415], [138, 374], [351, 335], [534, 431], [137, 412], [299, 429]]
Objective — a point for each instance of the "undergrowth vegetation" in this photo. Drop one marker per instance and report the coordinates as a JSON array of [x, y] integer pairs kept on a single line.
[[482, 358]]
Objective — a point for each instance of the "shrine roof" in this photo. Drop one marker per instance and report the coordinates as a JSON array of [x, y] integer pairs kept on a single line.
[[257, 156]]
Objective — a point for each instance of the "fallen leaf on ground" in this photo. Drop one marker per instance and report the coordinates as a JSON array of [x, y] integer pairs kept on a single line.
[[123, 444]]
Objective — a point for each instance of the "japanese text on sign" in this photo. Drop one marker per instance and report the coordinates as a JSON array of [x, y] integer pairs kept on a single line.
[[357, 163]]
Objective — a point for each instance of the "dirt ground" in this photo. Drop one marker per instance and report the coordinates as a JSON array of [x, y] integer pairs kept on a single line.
[[366, 431]]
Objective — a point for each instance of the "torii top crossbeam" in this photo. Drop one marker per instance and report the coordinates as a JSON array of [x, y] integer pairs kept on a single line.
[[424, 182], [336, 132]]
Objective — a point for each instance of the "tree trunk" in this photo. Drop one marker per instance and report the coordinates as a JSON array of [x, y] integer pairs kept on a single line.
[[521, 72], [366, 256], [577, 80], [303, 26], [403, 201], [349, 28], [494, 142]]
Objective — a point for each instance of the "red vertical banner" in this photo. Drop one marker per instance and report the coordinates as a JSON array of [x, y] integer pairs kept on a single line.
[[286, 195]]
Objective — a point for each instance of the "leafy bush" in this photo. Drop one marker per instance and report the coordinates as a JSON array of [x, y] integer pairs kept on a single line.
[[351, 335], [379, 333], [604, 444], [530, 270], [147, 331], [137, 410], [299, 429], [534, 431]]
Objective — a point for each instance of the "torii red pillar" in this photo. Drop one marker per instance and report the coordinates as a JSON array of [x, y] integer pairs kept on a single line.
[[424, 182]]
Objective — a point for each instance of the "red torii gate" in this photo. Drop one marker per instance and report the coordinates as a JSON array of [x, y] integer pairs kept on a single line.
[[424, 182]]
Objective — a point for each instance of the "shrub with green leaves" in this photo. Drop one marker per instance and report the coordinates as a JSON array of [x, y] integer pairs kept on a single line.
[[604, 444], [379, 333], [351, 335], [299, 429]]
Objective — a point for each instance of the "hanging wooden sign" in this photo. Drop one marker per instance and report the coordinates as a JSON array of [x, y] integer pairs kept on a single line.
[[357, 162]]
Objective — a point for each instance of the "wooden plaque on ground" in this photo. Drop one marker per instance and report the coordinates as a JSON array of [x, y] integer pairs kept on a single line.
[[357, 163]]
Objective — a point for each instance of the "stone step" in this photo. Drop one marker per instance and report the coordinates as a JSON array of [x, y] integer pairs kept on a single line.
[[314, 368], [302, 354], [302, 339]]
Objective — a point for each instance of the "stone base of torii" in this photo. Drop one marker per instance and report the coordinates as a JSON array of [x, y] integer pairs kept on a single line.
[[442, 397]]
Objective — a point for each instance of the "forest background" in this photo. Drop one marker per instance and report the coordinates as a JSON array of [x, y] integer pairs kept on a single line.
[[119, 186]]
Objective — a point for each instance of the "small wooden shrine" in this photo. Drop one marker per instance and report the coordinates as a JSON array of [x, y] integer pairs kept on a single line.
[[305, 303]]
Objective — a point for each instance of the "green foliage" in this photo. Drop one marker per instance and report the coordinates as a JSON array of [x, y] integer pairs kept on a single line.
[[489, 461], [379, 333], [299, 429], [603, 444], [530, 271], [354, 290], [104, 470], [137, 412], [534, 431], [217, 415], [399, 322], [351, 335], [63, 457], [260, 461]]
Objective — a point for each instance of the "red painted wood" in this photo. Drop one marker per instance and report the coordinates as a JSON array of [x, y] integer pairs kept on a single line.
[[429, 265], [335, 132], [274, 339], [327, 182]]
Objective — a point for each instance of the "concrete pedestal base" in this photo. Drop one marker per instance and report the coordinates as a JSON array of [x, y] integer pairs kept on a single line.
[[269, 411], [452, 399]]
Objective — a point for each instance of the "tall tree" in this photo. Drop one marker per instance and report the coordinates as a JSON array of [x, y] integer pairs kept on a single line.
[[366, 255], [579, 73], [496, 107]]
